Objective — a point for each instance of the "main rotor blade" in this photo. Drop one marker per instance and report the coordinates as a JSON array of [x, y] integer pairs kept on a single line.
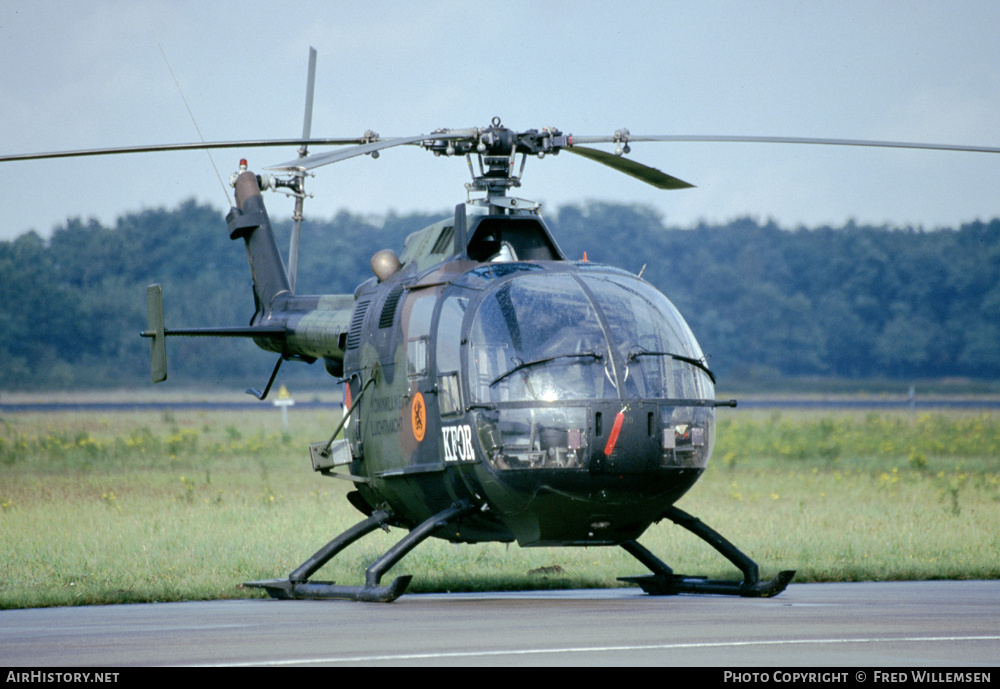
[[709, 138], [361, 147], [181, 147], [315, 161], [649, 175]]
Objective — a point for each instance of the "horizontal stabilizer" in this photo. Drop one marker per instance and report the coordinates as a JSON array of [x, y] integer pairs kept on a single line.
[[266, 331], [158, 334]]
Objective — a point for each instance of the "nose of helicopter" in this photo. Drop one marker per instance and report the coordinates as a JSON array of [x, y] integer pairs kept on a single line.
[[593, 475], [590, 398], [625, 439]]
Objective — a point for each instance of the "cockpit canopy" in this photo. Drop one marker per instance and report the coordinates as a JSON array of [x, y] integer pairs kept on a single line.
[[548, 337]]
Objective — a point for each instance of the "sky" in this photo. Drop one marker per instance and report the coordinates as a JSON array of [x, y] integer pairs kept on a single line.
[[106, 73]]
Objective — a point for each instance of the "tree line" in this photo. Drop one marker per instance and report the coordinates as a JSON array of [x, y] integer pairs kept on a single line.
[[848, 302]]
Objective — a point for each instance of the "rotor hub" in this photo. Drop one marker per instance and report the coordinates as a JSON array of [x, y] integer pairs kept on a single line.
[[496, 148]]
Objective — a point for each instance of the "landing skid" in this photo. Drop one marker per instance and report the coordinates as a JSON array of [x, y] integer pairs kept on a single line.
[[297, 585], [663, 581]]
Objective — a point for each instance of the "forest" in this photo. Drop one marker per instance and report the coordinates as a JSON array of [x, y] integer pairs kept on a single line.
[[766, 303]]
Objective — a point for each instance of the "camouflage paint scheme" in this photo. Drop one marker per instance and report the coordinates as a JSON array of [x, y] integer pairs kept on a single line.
[[539, 467]]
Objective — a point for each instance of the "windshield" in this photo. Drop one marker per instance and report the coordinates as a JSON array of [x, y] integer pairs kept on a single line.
[[545, 337], [663, 360], [538, 337]]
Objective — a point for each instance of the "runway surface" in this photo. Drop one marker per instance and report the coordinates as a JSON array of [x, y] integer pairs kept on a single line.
[[899, 624]]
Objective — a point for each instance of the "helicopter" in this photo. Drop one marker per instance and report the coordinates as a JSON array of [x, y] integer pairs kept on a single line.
[[495, 389]]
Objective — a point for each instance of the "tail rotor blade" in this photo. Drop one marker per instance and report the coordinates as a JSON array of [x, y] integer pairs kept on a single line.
[[310, 88], [293, 248]]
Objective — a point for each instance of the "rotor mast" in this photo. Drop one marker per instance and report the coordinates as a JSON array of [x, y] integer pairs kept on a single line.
[[496, 148]]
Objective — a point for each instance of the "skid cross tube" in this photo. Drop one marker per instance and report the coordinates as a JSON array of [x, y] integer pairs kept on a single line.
[[298, 586], [664, 582], [324, 554], [440, 520]]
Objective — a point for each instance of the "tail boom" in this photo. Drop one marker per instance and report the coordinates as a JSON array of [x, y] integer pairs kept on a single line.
[[305, 328]]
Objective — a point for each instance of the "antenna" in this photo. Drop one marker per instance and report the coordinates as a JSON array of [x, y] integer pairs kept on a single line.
[[193, 120]]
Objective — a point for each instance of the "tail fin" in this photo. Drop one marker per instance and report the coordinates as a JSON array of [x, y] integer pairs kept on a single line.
[[157, 345], [249, 220]]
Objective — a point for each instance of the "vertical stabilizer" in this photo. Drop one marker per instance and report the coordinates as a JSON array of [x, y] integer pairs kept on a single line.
[[249, 220], [157, 343]]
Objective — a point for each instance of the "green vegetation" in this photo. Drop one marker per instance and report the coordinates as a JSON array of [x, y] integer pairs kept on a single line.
[[99, 508], [901, 304]]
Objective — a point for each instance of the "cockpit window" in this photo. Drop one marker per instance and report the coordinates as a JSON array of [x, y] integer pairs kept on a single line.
[[539, 338], [550, 337], [541, 345], [663, 359], [640, 316]]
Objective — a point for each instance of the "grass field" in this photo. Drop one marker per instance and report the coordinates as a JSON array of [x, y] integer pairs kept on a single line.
[[150, 506]]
